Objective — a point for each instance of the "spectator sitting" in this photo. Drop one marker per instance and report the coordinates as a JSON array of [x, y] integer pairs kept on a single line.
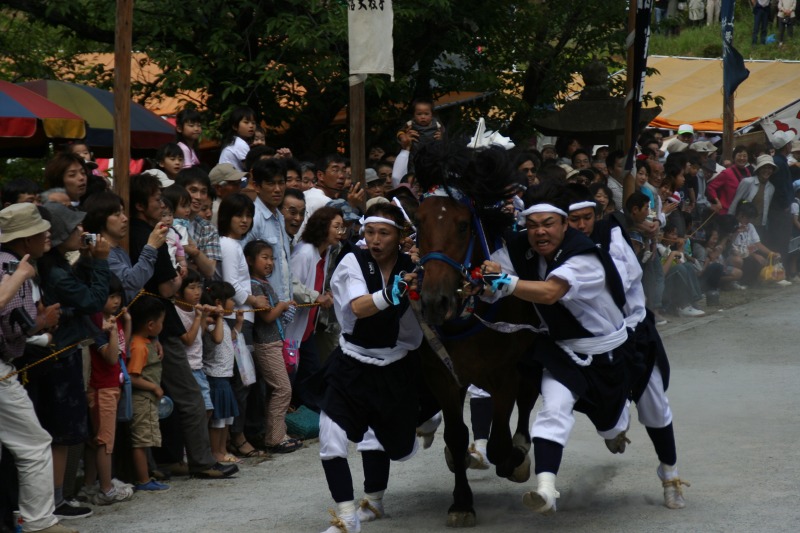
[[681, 286]]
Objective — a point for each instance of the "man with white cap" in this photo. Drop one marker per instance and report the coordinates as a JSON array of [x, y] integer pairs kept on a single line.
[[225, 179], [24, 236], [779, 223], [584, 357], [686, 133]]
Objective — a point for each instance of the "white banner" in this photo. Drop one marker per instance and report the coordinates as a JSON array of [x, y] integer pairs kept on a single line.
[[787, 119], [369, 24]]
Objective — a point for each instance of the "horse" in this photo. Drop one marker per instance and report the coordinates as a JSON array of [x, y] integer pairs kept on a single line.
[[450, 224]]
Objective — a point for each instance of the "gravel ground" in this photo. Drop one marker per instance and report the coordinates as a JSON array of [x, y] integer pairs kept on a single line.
[[735, 373]]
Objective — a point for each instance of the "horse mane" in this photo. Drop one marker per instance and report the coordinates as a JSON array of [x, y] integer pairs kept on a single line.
[[486, 175]]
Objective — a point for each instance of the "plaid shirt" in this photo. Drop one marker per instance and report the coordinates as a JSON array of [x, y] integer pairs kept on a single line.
[[206, 236], [12, 343]]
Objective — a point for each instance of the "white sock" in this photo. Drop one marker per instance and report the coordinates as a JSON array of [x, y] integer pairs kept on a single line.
[[546, 483], [374, 497], [347, 508], [480, 445], [667, 472]]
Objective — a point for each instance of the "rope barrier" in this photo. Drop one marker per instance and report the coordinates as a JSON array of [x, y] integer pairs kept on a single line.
[[141, 293]]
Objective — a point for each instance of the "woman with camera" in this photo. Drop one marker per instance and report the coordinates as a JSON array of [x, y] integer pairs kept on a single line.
[[82, 291]]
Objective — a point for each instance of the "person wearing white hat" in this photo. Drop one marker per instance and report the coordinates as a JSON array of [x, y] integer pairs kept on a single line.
[[780, 219], [25, 236], [758, 190], [686, 133], [579, 296]]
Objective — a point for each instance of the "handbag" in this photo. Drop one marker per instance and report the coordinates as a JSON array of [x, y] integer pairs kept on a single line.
[[125, 406], [291, 347], [244, 361]]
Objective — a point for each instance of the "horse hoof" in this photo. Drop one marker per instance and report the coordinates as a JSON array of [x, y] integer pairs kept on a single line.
[[519, 441], [461, 519], [522, 473]]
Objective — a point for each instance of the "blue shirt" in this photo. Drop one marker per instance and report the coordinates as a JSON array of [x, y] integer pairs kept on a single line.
[[270, 227]]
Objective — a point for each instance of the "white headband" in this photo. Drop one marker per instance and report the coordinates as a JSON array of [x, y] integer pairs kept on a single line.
[[582, 205], [381, 220], [543, 208]]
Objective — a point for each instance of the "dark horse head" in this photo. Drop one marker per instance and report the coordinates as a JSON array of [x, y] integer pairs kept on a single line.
[[462, 189]]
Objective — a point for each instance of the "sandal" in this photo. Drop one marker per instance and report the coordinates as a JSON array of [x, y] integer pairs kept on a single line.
[[237, 451], [287, 446]]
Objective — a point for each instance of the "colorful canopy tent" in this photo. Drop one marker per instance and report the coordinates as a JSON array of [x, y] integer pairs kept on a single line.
[[96, 106], [692, 91], [28, 122]]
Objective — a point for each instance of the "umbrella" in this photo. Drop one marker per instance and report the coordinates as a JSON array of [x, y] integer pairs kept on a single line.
[[96, 106], [28, 121]]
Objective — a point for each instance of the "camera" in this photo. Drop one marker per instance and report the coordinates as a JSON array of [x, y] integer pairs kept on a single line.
[[89, 239], [10, 267]]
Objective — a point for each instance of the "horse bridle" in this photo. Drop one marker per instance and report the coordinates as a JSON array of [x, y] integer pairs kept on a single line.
[[464, 267]]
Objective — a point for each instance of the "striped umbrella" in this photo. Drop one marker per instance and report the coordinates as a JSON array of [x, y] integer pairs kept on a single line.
[[96, 106], [28, 121]]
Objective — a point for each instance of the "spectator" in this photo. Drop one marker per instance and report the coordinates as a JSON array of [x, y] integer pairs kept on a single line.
[[616, 174], [293, 209], [374, 184], [757, 191], [205, 252], [760, 21], [225, 180], [189, 128], [67, 170], [19, 190], [721, 189]]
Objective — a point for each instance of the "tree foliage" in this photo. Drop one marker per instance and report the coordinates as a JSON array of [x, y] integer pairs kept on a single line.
[[288, 58]]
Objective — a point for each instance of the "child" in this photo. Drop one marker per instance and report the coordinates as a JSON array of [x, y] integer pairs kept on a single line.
[[102, 396], [189, 128], [170, 159], [218, 358], [147, 316], [194, 316], [181, 209], [268, 339], [236, 139], [235, 220], [259, 137], [422, 129], [175, 239], [750, 253]]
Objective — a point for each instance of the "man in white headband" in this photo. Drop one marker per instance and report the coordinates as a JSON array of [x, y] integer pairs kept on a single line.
[[649, 393], [369, 369], [584, 356]]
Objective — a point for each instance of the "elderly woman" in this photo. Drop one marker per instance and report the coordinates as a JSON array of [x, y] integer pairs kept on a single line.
[[721, 188]]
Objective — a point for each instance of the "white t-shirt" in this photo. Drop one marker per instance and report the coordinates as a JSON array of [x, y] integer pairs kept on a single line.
[[235, 153], [233, 269], [194, 352]]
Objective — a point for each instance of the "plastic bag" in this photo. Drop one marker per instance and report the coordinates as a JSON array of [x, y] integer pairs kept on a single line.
[[125, 406], [773, 271], [244, 361]]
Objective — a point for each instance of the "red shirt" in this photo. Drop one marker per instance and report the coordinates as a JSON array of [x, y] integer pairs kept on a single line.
[[104, 375]]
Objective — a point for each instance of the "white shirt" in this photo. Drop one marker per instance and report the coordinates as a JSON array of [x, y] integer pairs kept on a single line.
[[347, 284], [235, 153], [303, 264], [630, 271], [315, 198], [233, 269], [194, 352]]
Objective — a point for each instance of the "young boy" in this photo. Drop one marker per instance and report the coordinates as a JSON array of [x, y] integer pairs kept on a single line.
[[206, 252], [103, 396], [147, 315]]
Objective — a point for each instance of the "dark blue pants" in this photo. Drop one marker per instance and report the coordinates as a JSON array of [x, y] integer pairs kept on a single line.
[[760, 21]]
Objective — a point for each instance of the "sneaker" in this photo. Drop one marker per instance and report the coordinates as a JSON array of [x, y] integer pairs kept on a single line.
[[57, 528], [691, 312], [121, 484], [116, 495], [738, 286], [87, 493], [783, 283], [218, 471], [151, 486], [69, 510], [477, 458]]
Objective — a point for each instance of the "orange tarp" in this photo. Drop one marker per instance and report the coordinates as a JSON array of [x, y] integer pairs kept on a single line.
[[692, 91]]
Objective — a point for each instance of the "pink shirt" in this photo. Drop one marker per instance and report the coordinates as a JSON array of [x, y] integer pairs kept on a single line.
[[189, 157]]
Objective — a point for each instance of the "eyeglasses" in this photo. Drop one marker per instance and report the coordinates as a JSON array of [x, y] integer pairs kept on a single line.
[[339, 229], [292, 212]]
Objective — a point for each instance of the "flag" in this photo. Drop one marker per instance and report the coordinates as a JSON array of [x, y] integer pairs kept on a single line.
[[641, 42], [369, 24], [733, 69], [786, 119]]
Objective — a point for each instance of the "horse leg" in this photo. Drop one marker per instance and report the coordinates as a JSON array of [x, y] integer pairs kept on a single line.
[[526, 398], [510, 462], [456, 439]]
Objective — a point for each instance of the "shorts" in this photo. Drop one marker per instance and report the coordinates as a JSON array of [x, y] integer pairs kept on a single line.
[[205, 390], [103, 414], [59, 397], [145, 432]]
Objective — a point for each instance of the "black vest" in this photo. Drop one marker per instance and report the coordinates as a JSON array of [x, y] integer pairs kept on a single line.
[[561, 323], [601, 235], [381, 329]]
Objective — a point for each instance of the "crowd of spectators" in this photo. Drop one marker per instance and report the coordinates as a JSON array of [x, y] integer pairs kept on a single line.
[[233, 261]]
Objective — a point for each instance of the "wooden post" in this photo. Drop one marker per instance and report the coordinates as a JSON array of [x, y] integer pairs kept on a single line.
[[358, 149], [122, 102], [727, 127], [628, 181]]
